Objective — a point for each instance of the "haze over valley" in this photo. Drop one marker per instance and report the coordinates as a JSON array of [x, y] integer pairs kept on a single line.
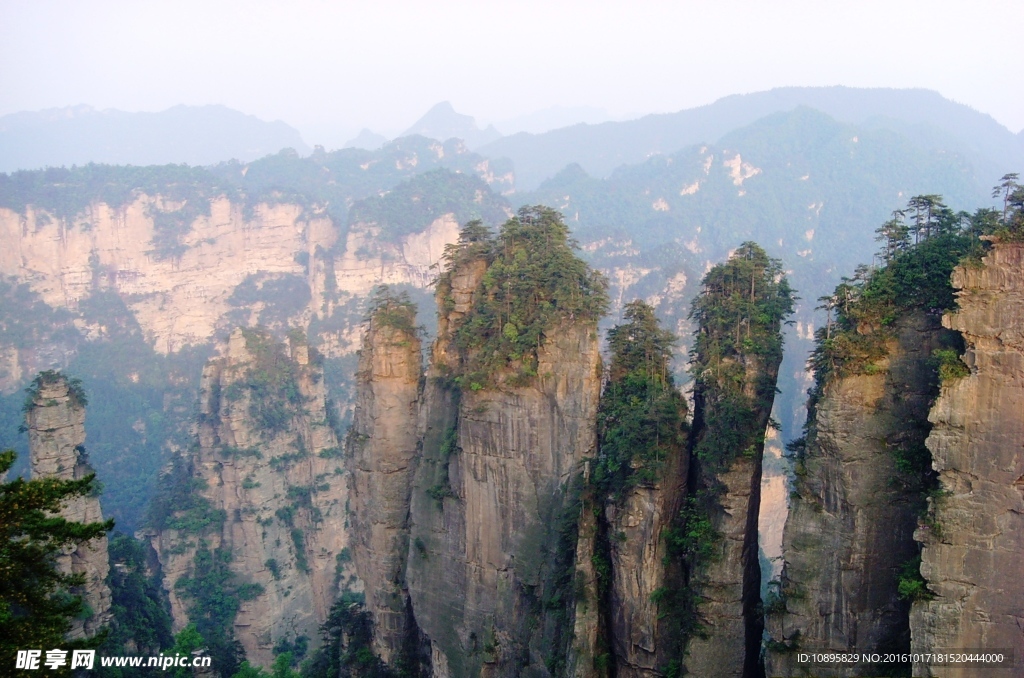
[[392, 371]]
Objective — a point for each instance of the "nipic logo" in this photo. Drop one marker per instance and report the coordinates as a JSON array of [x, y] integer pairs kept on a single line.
[[31, 659]]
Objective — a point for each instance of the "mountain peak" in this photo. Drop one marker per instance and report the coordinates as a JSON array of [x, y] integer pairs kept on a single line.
[[442, 122]]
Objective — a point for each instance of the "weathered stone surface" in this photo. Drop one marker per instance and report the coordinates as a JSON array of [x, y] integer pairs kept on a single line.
[[851, 523], [636, 528], [180, 300], [269, 484], [729, 585], [973, 552], [381, 450], [56, 437], [485, 514]]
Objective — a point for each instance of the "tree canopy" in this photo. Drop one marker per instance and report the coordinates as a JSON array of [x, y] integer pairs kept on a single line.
[[37, 602], [534, 282]]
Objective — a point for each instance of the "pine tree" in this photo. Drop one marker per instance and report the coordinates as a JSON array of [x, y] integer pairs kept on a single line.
[[37, 602]]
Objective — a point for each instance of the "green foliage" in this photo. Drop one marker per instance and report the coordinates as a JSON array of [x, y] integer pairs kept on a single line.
[[139, 606], [916, 276], [76, 392], [347, 647], [950, 366], [37, 602], [413, 205], [1010, 227], [534, 282], [299, 541], [178, 504], [911, 585], [392, 309], [214, 595], [186, 642], [740, 313], [272, 383], [641, 419]]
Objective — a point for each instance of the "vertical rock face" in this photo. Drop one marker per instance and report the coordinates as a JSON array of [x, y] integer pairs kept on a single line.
[[974, 548], [381, 448], [489, 492], [730, 583], [267, 469], [56, 431], [850, 526], [736, 360], [636, 528]]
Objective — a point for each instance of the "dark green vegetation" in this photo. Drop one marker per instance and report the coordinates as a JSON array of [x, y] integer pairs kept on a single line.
[[641, 421], [919, 256], [735, 361], [886, 321], [642, 433], [141, 614], [37, 603], [270, 382], [346, 649], [739, 316], [414, 204], [534, 282], [214, 596]]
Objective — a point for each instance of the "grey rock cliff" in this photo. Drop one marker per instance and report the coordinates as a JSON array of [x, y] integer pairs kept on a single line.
[[381, 450], [56, 436], [281, 489], [974, 546], [851, 522], [488, 494]]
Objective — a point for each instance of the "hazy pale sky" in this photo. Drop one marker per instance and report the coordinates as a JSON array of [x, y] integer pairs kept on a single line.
[[334, 67]]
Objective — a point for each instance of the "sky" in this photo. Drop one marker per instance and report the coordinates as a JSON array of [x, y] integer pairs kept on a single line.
[[332, 68]]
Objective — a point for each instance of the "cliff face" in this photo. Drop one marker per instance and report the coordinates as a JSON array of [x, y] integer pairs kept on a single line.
[[380, 452], [180, 300], [56, 433], [489, 493], [270, 497], [640, 642], [973, 549], [729, 584], [850, 526], [736, 358]]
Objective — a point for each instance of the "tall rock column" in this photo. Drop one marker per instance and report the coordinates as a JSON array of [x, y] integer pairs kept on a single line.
[[56, 437], [974, 539], [635, 491], [381, 448], [507, 418], [737, 355], [255, 512], [852, 515]]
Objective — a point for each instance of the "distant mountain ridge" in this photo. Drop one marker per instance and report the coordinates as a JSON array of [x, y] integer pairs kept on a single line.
[[196, 135], [923, 115], [442, 122]]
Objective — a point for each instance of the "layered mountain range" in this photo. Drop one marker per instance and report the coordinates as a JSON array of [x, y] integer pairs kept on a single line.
[[494, 504]]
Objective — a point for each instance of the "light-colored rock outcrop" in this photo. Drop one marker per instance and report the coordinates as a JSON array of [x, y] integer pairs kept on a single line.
[[278, 480], [380, 453], [56, 435], [180, 300], [851, 522], [974, 548]]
